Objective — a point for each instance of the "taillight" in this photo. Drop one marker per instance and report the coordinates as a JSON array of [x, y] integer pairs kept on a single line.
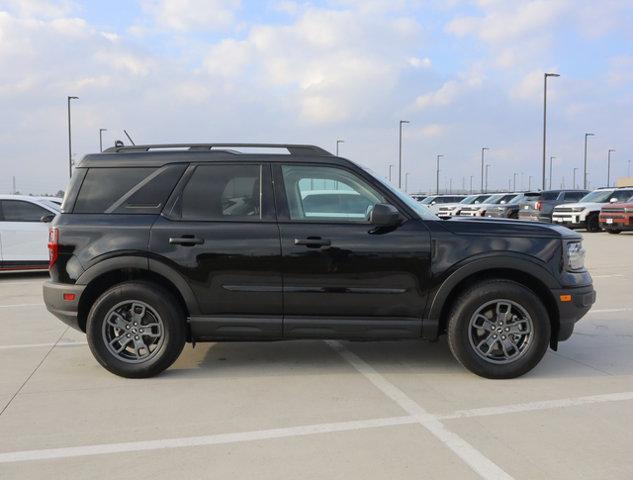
[[538, 205], [53, 246]]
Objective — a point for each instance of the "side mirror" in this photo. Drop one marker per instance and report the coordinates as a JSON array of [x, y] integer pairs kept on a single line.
[[613, 200], [433, 202], [48, 218], [384, 215]]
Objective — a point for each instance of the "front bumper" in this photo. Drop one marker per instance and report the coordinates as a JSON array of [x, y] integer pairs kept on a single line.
[[569, 312], [571, 220], [618, 221], [65, 310]]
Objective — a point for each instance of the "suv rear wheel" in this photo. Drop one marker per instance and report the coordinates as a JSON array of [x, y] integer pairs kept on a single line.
[[498, 329], [136, 329]]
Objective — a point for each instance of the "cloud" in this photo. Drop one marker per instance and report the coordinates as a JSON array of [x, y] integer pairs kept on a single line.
[[449, 92], [43, 9], [188, 15]]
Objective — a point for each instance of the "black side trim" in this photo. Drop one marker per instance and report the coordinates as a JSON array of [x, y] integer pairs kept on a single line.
[[207, 328], [252, 288], [352, 327], [369, 290]]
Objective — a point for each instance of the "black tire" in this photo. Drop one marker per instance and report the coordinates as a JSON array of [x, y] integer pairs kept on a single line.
[[167, 310], [593, 223], [469, 303], [614, 231]]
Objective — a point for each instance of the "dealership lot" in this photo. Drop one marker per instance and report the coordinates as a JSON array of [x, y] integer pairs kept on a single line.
[[316, 409]]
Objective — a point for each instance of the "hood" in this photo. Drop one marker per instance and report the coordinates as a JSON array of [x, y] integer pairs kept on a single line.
[[619, 205], [589, 205], [509, 228]]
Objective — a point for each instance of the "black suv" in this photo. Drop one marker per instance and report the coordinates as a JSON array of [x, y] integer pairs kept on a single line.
[[161, 245]]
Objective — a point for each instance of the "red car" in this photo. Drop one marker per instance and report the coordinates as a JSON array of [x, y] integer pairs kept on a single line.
[[616, 217]]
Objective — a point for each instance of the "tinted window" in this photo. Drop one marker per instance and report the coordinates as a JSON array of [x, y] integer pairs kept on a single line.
[[553, 195], [20, 211], [574, 196], [102, 187], [321, 192], [223, 192]]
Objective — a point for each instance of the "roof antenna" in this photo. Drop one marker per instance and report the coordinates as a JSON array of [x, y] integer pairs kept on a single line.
[[128, 137]]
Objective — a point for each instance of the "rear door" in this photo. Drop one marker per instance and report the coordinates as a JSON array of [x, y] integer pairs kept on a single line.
[[342, 276], [23, 234], [219, 231]]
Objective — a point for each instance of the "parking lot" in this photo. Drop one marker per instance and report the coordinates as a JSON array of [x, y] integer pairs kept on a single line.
[[316, 409]]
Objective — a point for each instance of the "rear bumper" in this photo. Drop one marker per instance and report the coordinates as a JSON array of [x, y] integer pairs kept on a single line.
[[65, 310], [582, 298], [535, 217]]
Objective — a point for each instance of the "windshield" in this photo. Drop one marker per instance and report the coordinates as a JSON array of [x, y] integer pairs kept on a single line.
[[502, 199], [52, 205], [474, 199], [428, 200], [603, 196]]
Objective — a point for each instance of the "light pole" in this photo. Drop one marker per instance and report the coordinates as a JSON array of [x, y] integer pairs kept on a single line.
[[483, 149], [584, 177], [529, 183], [545, 75], [551, 161], [101, 130], [450, 185], [402, 122], [338, 142], [574, 181], [70, 154], [471, 184], [609, 167], [437, 175], [406, 182], [628, 168], [390, 167], [487, 167], [514, 182]]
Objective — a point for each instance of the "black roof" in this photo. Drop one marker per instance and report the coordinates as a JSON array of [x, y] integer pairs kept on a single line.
[[161, 154]]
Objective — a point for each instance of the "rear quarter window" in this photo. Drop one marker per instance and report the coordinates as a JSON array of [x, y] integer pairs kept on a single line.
[[129, 190]]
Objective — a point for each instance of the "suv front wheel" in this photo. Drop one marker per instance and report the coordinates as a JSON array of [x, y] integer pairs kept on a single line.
[[136, 329], [498, 329]]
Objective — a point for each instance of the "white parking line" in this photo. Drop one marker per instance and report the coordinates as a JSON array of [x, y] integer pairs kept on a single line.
[[610, 310], [607, 276], [16, 305], [225, 438], [38, 345], [218, 439], [481, 464], [541, 405]]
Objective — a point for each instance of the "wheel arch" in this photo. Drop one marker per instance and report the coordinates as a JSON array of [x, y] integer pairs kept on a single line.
[[110, 272], [528, 274]]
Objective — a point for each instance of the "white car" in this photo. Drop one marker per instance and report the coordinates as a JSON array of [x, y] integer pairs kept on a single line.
[[585, 213], [452, 209], [492, 201], [434, 202], [56, 200], [24, 232]]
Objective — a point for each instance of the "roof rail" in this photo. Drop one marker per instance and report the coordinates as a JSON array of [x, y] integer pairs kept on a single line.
[[306, 150]]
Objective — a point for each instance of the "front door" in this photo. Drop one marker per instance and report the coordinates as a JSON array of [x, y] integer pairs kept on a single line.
[[221, 235], [343, 277]]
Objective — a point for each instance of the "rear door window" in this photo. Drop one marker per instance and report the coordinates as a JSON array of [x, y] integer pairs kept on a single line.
[[223, 193]]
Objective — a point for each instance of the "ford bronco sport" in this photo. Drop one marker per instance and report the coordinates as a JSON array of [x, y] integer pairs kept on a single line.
[[161, 245]]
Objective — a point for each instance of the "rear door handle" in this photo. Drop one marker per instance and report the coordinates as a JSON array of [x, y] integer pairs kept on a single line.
[[313, 242], [186, 241]]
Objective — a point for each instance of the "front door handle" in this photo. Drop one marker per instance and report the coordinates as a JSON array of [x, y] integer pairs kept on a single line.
[[313, 242], [186, 241]]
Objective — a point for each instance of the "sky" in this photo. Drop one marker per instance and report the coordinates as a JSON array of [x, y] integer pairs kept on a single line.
[[465, 74]]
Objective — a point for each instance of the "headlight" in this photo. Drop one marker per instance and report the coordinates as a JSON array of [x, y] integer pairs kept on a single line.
[[577, 209], [575, 256]]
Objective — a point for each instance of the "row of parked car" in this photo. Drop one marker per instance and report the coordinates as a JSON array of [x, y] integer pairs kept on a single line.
[[609, 209]]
